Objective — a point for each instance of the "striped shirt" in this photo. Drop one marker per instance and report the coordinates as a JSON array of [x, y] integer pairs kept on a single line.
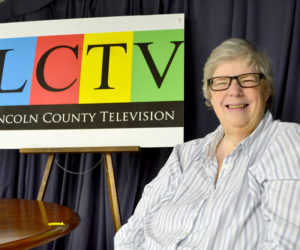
[[255, 203]]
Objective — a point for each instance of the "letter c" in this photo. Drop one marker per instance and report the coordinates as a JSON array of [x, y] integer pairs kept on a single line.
[[41, 66]]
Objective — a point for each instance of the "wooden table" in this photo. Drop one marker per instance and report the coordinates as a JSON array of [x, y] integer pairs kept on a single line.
[[25, 224]]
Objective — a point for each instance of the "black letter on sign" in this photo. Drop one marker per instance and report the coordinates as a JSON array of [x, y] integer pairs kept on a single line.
[[105, 61], [157, 77], [2, 59], [41, 66]]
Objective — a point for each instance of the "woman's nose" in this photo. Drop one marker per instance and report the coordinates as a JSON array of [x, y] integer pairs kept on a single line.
[[235, 88]]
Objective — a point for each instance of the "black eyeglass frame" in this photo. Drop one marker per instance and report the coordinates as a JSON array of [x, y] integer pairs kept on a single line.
[[260, 76]]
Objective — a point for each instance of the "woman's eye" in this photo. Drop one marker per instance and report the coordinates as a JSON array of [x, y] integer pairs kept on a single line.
[[248, 80], [220, 82]]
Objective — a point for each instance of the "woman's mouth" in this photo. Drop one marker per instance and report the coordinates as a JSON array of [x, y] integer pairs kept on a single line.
[[236, 106]]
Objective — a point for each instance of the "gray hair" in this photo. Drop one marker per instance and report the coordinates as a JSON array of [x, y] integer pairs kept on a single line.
[[231, 49]]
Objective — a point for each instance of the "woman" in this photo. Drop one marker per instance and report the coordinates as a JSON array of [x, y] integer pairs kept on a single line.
[[236, 188]]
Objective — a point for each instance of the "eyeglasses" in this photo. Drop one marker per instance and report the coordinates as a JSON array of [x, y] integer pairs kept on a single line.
[[247, 80]]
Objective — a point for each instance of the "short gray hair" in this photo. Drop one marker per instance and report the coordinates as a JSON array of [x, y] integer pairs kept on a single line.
[[231, 49]]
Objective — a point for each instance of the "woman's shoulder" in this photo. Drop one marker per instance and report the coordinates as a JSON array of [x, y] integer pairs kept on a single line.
[[281, 157], [285, 133]]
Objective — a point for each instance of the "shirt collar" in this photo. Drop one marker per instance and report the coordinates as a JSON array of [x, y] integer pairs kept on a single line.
[[212, 141], [247, 143]]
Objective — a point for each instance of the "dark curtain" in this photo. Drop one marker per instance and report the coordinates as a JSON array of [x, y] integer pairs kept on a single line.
[[272, 26]]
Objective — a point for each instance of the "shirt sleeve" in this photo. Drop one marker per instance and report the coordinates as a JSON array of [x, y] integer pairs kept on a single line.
[[161, 188], [280, 198]]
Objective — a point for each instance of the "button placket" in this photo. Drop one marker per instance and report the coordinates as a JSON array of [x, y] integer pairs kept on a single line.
[[228, 163]]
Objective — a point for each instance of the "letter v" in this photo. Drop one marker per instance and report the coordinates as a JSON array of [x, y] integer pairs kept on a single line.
[[154, 71]]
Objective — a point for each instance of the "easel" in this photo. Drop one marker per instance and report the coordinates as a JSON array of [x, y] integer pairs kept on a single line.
[[110, 177]]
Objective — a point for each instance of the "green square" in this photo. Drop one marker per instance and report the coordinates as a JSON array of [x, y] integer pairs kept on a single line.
[[158, 46]]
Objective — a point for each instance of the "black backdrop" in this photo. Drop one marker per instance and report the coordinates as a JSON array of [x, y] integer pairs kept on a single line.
[[273, 26]]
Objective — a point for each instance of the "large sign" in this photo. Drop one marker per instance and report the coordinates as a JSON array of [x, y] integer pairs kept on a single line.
[[114, 81]]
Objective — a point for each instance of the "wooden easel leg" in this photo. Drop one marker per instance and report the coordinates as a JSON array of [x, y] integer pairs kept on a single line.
[[45, 177], [113, 196]]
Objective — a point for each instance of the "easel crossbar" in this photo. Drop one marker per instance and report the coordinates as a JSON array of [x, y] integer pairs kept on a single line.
[[80, 150]]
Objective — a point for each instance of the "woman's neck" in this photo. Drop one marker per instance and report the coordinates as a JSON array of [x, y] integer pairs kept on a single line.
[[233, 136], [226, 146]]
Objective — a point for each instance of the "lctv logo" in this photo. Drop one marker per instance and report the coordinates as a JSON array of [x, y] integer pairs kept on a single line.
[[114, 67]]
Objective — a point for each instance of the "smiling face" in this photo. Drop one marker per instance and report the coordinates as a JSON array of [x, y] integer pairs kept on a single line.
[[238, 109]]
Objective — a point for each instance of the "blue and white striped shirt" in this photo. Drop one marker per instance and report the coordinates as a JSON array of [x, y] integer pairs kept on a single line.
[[255, 203]]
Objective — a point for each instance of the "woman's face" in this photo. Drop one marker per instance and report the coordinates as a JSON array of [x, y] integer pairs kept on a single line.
[[236, 107]]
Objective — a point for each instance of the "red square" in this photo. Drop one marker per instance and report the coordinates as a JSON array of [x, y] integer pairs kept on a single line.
[[56, 70]]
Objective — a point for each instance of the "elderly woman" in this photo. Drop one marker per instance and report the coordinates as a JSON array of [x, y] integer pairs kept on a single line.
[[236, 188]]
